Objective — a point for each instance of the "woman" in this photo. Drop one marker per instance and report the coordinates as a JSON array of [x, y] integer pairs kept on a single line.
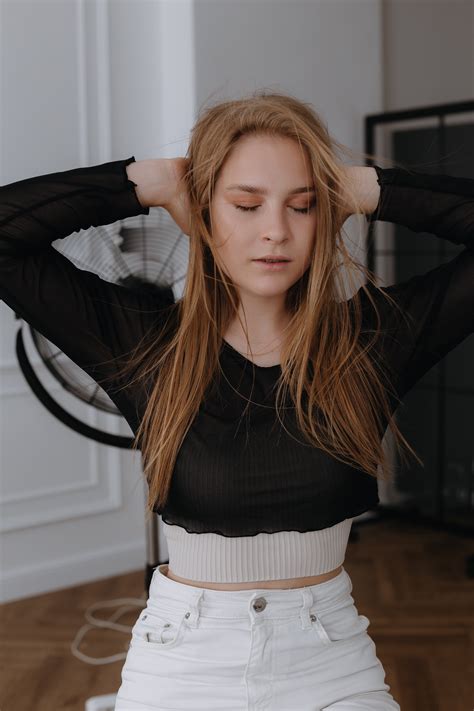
[[254, 610]]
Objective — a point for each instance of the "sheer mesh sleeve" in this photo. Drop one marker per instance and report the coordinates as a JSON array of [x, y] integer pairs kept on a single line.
[[439, 304], [89, 319]]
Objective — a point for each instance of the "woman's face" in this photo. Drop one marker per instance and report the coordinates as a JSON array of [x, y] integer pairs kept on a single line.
[[276, 219]]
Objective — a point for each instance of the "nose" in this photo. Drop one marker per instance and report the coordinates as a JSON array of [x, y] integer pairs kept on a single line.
[[275, 229], [272, 236]]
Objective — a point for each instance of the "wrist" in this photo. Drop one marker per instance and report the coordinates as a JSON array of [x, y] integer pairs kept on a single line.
[[363, 187], [151, 180]]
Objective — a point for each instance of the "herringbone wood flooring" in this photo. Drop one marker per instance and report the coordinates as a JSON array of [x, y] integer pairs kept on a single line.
[[410, 582]]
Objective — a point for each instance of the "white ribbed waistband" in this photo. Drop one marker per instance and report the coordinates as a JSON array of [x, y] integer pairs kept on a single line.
[[212, 558]]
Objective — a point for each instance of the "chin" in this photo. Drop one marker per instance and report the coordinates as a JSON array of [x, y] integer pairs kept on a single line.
[[269, 292]]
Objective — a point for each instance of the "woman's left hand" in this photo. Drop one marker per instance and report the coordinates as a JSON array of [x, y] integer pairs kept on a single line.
[[363, 190]]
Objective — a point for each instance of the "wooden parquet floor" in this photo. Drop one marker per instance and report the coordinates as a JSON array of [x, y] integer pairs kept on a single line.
[[408, 580]]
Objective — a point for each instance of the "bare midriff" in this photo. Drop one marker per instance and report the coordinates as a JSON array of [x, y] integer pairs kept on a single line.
[[266, 584]]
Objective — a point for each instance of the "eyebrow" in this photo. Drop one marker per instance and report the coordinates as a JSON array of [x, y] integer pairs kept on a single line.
[[255, 189]]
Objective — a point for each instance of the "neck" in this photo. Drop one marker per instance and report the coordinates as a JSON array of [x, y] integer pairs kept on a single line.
[[262, 341]]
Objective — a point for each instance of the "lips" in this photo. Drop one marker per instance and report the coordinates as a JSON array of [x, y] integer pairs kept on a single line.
[[273, 258], [272, 266]]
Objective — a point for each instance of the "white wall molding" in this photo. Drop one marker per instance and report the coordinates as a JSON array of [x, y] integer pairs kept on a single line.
[[47, 521], [101, 562], [97, 492], [82, 78], [104, 114]]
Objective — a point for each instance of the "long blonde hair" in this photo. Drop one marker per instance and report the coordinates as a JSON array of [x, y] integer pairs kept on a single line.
[[325, 364]]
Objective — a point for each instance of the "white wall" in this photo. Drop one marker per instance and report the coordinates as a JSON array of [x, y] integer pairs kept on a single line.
[[428, 52], [326, 52]]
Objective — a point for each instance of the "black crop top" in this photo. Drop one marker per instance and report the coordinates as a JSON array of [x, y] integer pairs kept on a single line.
[[233, 476]]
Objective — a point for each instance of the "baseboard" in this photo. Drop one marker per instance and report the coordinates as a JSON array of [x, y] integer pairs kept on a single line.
[[27, 581]]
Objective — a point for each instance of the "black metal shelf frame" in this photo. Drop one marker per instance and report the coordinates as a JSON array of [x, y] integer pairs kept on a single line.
[[437, 382]]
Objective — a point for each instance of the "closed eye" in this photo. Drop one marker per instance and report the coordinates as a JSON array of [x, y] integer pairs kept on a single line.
[[302, 211]]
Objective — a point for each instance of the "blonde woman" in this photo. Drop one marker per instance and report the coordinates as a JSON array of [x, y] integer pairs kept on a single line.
[[260, 399]]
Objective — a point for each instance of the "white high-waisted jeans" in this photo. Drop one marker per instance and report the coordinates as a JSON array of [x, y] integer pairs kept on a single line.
[[300, 649]]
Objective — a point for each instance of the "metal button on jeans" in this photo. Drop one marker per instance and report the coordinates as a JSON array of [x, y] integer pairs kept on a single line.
[[259, 604]]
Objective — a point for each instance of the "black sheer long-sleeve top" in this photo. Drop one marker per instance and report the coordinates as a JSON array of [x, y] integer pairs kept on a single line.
[[234, 476]]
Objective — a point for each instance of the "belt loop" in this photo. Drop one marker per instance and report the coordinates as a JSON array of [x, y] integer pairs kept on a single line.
[[307, 604], [193, 611]]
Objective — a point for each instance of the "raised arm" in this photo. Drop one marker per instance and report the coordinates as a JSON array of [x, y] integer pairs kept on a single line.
[[89, 319], [439, 302]]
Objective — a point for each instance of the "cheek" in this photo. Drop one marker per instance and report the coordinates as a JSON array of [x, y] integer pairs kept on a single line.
[[226, 235], [228, 255], [309, 255], [311, 243]]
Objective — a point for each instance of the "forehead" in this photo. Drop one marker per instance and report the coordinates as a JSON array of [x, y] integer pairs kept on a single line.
[[267, 161]]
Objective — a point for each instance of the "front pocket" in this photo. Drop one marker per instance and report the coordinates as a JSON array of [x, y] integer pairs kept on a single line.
[[340, 625], [153, 630]]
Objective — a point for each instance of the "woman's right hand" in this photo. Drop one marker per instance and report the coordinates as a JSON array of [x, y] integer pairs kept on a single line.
[[175, 197], [159, 183]]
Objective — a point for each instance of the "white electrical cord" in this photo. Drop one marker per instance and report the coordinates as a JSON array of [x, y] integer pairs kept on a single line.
[[105, 702], [127, 604]]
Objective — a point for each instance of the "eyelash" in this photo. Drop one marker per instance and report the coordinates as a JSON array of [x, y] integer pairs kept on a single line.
[[301, 211]]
